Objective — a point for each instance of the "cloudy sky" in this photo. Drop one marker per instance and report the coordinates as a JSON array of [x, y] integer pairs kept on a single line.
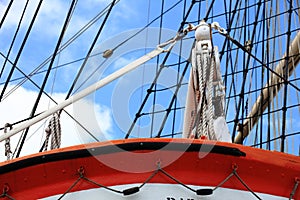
[[108, 112], [97, 110]]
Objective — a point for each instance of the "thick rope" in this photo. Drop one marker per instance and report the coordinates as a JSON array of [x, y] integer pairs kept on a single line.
[[210, 100], [53, 130], [8, 151]]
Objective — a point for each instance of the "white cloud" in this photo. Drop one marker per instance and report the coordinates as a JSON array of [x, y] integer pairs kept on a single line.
[[95, 117], [122, 62]]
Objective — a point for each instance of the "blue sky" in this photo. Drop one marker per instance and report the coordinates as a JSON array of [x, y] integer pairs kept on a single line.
[[41, 44], [100, 111]]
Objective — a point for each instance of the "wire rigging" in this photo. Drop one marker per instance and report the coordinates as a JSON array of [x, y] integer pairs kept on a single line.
[[14, 38], [21, 48], [63, 31], [63, 46], [258, 33], [138, 113], [6, 12], [286, 76], [90, 49]]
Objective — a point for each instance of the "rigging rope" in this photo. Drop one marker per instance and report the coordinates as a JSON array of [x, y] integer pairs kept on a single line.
[[91, 49], [200, 192], [8, 151], [286, 76], [5, 191], [108, 52], [14, 38], [204, 115], [138, 113], [64, 28], [63, 46], [53, 130], [21, 49], [5, 14], [76, 121]]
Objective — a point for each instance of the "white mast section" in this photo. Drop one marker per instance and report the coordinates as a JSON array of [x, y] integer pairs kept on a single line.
[[131, 66], [204, 111], [273, 86]]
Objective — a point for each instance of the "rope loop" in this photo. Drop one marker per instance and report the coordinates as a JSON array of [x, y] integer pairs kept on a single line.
[[81, 171], [53, 130], [5, 188], [234, 167]]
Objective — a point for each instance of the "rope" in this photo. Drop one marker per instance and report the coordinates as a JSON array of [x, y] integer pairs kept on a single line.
[[63, 46], [4, 192], [91, 48], [28, 78], [203, 191], [210, 104], [21, 48], [248, 188], [297, 180], [204, 69], [6, 195], [234, 172], [14, 38], [8, 151], [137, 115], [6, 12], [53, 130], [61, 36], [201, 121]]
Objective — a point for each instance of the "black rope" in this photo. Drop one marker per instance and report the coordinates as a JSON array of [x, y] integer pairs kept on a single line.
[[13, 40], [36, 85], [273, 111], [262, 20], [7, 196], [157, 66], [70, 188], [268, 78], [65, 45], [174, 97], [90, 49], [28, 77], [278, 36], [295, 58], [6, 12], [297, 180], [132, 190], [261, 62], [263, 26], [21, 49], [274, 139], [138, 113], [142, 29], [246, 186], [209, 10], [286, 76], [245, 74], [72, 7]]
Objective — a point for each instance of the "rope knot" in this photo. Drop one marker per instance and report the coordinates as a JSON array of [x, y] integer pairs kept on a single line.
[[81, 171]]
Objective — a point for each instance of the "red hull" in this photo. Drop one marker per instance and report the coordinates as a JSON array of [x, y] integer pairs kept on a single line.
[[135, 160]]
